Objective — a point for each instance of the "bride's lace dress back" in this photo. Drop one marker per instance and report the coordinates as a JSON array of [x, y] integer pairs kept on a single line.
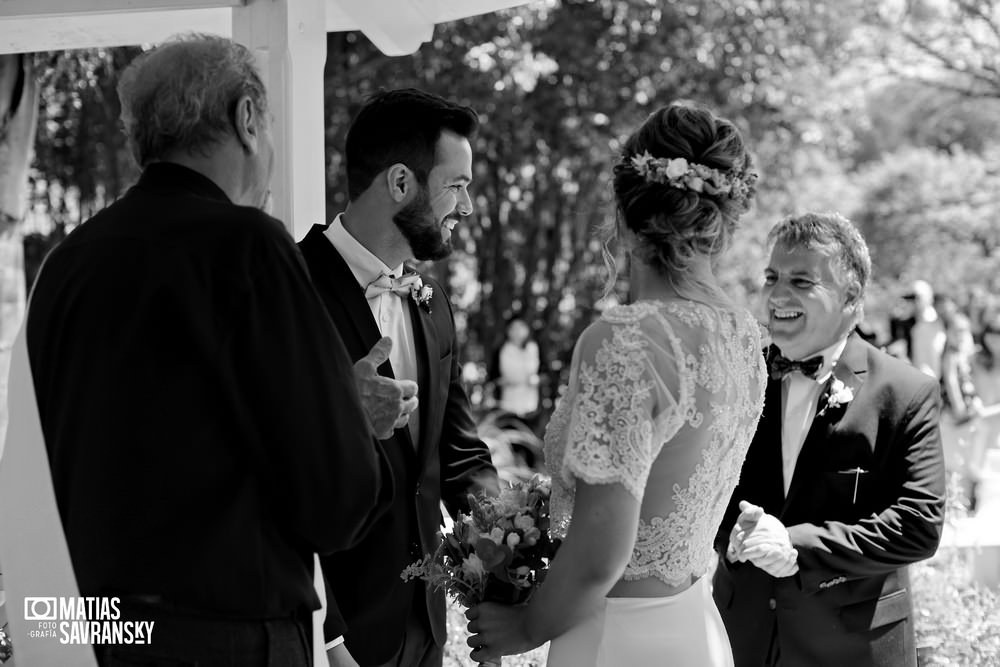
[[663, 398]]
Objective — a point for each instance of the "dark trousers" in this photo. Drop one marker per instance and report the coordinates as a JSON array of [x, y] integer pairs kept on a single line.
[[419, 648], [182, 639]]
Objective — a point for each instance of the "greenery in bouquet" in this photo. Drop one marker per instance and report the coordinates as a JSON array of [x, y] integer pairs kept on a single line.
[[498, 552]]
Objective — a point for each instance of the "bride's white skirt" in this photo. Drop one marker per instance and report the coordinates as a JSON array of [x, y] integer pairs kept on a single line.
[[684, 630]]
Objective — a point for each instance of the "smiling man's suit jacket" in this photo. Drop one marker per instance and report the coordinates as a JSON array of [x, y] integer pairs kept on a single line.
[[368, 601], [850, 602]]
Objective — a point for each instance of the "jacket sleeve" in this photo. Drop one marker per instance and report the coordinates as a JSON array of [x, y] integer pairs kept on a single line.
[[324, 470], [908, 529], [466, 464], [334, 625]]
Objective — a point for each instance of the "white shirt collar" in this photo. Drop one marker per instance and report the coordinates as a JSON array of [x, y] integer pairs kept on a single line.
[[365, 266]]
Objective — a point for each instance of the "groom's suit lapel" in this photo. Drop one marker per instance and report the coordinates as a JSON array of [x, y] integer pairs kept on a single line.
[[426, 343], [342, 296], [340, 292], [851, 371], [770, 430]]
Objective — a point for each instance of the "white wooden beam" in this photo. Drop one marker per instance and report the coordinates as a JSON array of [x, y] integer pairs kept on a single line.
[[54, 33], [36, 8], [396, 27], [289, 39]]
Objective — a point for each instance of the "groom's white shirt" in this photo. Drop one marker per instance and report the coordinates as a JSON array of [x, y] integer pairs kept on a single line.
[[799, 395], [392, 316]]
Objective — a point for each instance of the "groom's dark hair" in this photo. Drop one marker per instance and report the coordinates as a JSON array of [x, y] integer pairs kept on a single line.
[[401, 127], [831, 232]]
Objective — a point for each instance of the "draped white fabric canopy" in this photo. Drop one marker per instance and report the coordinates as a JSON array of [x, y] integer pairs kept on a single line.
[[289, 40]]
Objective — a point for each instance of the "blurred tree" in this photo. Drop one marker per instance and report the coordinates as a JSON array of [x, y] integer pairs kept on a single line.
[[81, 160], [911, 113], [932, 214], [950, 44]]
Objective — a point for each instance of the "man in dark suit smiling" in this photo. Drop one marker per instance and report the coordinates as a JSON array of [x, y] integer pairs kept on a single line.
[[843, 485], [409, 164]]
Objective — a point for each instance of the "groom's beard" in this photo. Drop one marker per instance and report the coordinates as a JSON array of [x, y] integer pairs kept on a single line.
[[421, 230]]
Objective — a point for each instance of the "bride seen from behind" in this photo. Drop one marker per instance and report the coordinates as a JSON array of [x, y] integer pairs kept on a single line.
[[646, 445]]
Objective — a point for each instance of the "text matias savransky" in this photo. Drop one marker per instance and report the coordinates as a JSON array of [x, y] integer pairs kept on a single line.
[[84, 620]]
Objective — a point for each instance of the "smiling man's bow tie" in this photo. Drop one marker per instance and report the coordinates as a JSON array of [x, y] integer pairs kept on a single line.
[[780, 366], [386, 283]]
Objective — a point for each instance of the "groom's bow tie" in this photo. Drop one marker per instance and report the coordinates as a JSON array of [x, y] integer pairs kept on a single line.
[[386, 283], [780, 366]]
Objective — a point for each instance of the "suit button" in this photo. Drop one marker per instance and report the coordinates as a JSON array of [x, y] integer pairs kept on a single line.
[[417, 491], [772, 604]]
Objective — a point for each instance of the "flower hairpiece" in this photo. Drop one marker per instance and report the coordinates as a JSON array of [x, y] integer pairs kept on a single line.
[[683, 175]]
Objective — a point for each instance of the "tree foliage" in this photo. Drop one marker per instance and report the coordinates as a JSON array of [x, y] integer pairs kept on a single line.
[[933, 215], [80, 154], [951, 44]]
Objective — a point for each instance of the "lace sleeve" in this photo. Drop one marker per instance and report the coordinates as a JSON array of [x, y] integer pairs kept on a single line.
[[610, 421]]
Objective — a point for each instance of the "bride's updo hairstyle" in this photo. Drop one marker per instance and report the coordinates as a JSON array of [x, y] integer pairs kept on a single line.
[[682, 182]]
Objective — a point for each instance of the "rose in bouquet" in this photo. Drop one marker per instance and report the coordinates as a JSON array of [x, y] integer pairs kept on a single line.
[[498, 552]]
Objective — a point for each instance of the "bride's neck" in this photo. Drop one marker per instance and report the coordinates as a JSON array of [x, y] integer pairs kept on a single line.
[[699, 283]]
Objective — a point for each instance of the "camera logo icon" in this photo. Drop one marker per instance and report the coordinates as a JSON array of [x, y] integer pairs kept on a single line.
[[39, 609]]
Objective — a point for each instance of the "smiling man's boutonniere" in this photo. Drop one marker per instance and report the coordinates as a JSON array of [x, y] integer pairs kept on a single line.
[[837, 395], [422, 294]]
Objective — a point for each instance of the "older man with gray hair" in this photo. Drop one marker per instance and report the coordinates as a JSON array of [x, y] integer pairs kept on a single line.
[[843, 485], [201, 416]]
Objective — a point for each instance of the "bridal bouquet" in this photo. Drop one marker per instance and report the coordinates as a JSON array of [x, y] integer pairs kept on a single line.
[[499, 552]]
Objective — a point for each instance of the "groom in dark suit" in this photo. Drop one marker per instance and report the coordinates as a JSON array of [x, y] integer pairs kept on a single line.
[[409, 163], [843, 485]]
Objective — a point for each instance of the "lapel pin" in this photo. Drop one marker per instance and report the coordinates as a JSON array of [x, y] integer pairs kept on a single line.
[[857, 472]]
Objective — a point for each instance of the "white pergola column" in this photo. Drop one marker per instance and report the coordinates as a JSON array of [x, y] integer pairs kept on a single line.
[[289, 39]]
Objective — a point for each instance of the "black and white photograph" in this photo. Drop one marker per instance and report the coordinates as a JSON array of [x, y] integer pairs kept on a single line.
[[499, 333]]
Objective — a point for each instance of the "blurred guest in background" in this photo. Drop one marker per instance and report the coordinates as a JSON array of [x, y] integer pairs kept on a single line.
[[961, 406], [927, 333], [985, 369], [518, 366]]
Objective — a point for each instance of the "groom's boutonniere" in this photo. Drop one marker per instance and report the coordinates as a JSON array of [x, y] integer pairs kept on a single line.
[[422, 294], [837, 395]]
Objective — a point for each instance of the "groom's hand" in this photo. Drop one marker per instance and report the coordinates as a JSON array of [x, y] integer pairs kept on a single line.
[[387, 402]]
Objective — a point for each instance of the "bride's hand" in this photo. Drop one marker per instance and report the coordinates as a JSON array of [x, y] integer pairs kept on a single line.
[[497, 630]]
